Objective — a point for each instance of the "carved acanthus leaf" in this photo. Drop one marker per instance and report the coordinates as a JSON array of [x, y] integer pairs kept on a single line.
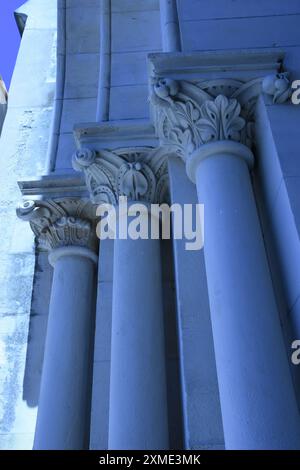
[[220, 120], [139, 173], [67, 231]]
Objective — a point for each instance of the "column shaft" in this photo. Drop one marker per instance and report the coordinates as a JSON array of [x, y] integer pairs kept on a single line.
[[63, 414], [257, 397], [138, 399]]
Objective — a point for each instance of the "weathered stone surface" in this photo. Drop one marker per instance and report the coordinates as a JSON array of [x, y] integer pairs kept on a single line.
[[23, 148]]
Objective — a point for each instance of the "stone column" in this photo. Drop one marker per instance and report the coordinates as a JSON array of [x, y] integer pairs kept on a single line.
[[258, 402], [138, 400], [257, 397], [63, 412], [138, 416]]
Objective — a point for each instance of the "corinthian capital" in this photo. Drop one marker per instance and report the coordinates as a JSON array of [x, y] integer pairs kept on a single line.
[[57, 224], [139, 173], [190, 114]]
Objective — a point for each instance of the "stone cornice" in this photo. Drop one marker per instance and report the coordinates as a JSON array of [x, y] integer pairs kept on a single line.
[[244, 64], [140, 173], [54, 186], [115, 134], [60, 223]]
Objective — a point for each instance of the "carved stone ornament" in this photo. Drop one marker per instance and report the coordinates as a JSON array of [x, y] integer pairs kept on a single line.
[[188, 114], [139, 173], [278, 86], [69, 222]]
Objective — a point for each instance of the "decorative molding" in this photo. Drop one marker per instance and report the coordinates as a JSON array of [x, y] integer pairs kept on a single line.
[[140, 173], [68, 231], [243, 64], [56, 224], [55, 186], [115, 134], [188, 114]]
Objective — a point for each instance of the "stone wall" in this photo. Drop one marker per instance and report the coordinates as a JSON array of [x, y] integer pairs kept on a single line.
[[23, 152]]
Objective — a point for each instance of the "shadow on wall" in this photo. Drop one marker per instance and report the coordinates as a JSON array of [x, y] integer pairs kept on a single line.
[[37, 329], [175, 418]]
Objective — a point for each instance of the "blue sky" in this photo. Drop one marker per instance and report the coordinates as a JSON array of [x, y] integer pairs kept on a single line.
[[9, 38]]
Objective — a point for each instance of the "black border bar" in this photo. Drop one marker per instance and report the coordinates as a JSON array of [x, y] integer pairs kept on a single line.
[[133, 459]]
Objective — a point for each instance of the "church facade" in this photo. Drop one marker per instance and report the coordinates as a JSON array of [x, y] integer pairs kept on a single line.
[[148, 342]]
